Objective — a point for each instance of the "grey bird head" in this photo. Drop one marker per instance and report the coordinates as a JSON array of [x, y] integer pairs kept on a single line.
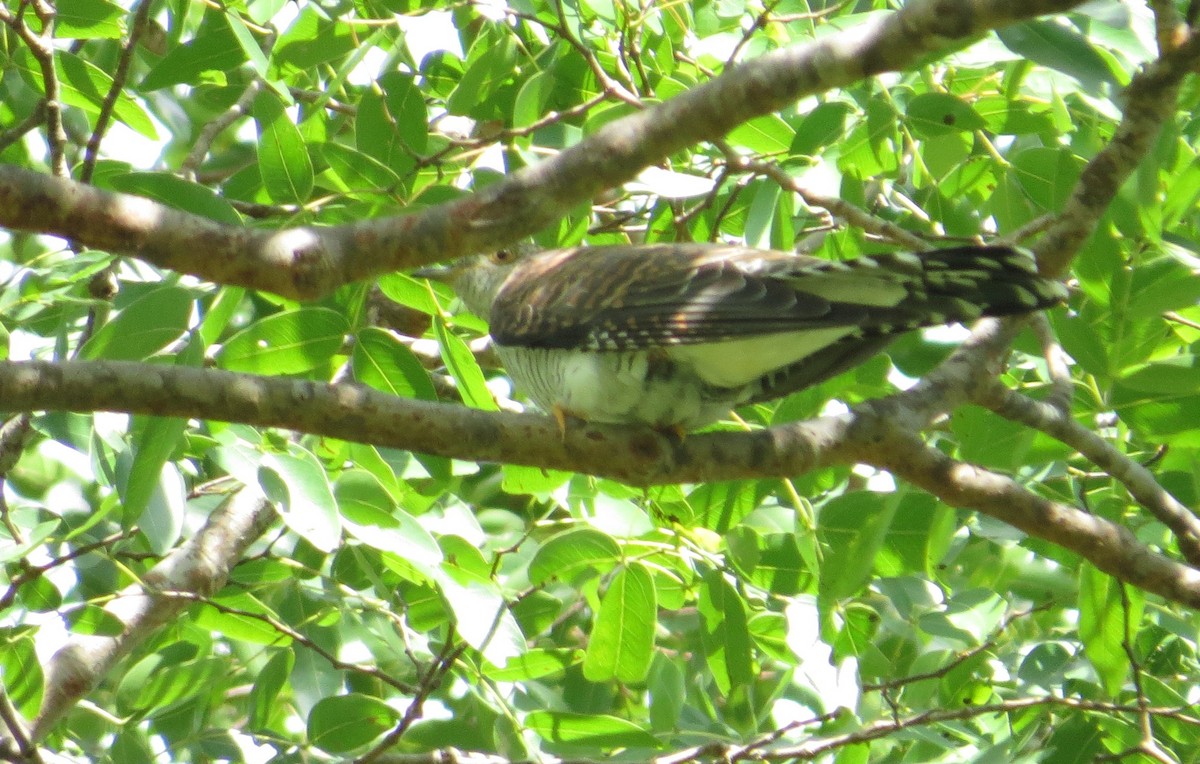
[[476, 279]]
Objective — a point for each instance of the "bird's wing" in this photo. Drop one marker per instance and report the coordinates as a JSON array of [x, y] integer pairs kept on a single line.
[[621, 298]]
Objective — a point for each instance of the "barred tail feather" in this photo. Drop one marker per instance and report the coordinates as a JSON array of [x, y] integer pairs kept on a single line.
[[958, 284]]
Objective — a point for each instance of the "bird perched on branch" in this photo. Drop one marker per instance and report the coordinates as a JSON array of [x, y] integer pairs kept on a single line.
[[675, 335]]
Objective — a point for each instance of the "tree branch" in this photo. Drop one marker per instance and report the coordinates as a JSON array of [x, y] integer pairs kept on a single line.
[[867, 434], [1138, 480], [1110, 547], [201, 566], [1151, 99], [311, 261]]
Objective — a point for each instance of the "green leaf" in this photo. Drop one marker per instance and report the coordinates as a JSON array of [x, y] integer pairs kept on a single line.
[[919, 535], [88, 19], [215, 48], [1058, 45], [150, 477], [85, 86], [535, 664], [821, 127], [239, 621], [532, 481], [599, 730], [249, 46], [563, 556], [33, 538], [853, 527], [461, 363], [1102, 626], [22, 674], [533, 97], [289, 342], [720, 506], [358, 171], [622, 640], [483, 620], [1159, 286], [375, 136], [762, 216], [267, 686], [1074, 740], [219, 313], [668, 693], [94, 621], [1178, 376], [1182, 194], [768, 134], [298, 484], [287, 170], [990, 440], [969, 617], [40, 595], [1007, 116], [384, 363], [415, 294], [779, 567], [370, 515], [1048, 175], [176, 192], [725, 635], [1104, 618], [144, 327], [932, 114], [153, 445], [463, 556], [485, 73], [407, 110], [1160, 399], [312, 40], [342, 723], [175, 683]]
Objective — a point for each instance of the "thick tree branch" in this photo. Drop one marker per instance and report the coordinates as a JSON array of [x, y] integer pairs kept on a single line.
[[199, 566], [1110, 547], [1138, 480], [867, 434], [311, 261], [353, 412], [1151, 99]]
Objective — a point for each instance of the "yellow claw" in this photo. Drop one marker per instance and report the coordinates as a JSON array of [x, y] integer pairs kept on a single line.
[[560, 415]]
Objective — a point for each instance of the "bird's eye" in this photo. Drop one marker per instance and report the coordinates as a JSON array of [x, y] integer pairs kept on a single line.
[[504, 256]]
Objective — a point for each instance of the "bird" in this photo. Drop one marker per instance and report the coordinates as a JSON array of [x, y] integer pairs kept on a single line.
[[676, 335]]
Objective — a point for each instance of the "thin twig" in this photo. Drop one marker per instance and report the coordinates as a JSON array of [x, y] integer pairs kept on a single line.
[[92, 151], [18, 730], [42, 49], [25, 126], [214, 127], [284, 630], [430, 682], [835, 206]]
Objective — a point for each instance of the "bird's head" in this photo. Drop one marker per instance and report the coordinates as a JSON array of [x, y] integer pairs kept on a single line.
[[478, 278]]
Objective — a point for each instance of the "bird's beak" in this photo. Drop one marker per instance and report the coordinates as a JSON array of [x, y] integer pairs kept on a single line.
[[442, 273]]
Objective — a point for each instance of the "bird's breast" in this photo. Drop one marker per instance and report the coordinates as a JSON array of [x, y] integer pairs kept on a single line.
[[640, 387]]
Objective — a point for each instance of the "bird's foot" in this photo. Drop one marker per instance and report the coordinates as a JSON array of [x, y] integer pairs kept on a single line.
[[672, 432], [561, 415]]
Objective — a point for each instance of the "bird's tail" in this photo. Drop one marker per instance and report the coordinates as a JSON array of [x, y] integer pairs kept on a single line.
[[957, 284], [888, 295]]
